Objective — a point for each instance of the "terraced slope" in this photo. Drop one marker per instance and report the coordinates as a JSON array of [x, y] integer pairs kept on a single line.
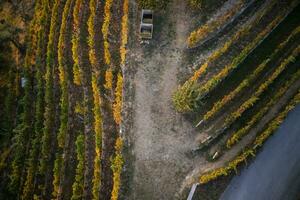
[[231, 115], [93, 113], [232, 82]]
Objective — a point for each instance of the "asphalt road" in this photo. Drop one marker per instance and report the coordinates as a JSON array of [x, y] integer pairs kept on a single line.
[[275, 172]]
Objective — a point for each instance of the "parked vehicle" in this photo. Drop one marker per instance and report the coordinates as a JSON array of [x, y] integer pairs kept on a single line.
[[146, 25]]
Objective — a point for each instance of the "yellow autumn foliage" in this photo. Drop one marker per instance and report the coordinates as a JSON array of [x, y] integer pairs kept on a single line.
[[247, 81], [79, 108], [117, 107], [91, 30], [275, 123], [214, 25], [262, 88], [117, 164], [98, 137], [75, 40], [196, 92], [224, 171], [244, 130], [239, 34], [105, 30], [259, 140], [124, 32], [108, 79]]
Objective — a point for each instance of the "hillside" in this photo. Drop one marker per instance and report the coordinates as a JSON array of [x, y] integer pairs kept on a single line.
[[89, 111]]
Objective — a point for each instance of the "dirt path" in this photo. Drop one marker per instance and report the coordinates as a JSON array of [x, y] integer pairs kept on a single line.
[[161, 136]]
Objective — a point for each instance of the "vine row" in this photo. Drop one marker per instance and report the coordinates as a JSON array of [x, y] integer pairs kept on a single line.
[[250, 151], [244, 130], [247, 81]]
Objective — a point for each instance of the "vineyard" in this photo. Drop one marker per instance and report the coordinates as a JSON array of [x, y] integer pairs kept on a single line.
[[238, 96], [89, 112], [65, 142]]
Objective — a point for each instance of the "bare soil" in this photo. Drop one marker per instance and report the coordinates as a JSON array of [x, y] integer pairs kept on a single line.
[[160, 138]]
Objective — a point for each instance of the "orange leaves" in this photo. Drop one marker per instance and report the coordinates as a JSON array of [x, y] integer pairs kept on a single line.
[[105, 30], [118, 100], [75, 41], [200, 71], [107, 56], [108, 79], [92, 57], [76, 13], [211, 26], [124, 32]]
